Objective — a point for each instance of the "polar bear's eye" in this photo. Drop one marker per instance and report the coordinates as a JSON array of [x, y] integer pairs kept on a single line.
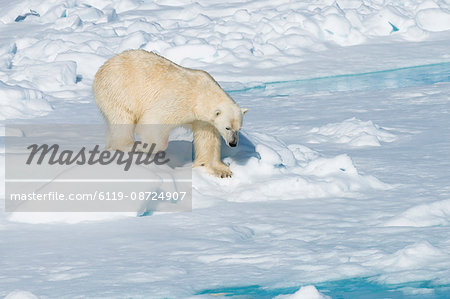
[[228, 128]]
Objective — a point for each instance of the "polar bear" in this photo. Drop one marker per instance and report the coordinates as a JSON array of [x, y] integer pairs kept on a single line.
[[138, 87]]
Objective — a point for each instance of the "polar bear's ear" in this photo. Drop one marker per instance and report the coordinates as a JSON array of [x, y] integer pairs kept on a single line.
[[244, 110]]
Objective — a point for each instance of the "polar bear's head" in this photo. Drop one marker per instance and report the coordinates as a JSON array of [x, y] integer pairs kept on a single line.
[[215, 106], [228, 121]]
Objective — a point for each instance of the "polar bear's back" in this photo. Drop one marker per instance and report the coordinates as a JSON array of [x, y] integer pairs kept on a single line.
[[134, 81]]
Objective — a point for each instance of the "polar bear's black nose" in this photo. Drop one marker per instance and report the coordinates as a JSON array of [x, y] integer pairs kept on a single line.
[[234, 140]]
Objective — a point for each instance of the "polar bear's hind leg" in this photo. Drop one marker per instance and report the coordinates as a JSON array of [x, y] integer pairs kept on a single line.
[[151, 131], [120, 134]]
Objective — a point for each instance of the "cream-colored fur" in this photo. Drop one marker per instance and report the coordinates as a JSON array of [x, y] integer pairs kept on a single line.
[[138, 87]]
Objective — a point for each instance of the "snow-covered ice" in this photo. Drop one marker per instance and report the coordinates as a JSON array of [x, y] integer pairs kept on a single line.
[[340, 178], [353, 132], [429, 214], [21, 295], [21, 102], [307, 292]]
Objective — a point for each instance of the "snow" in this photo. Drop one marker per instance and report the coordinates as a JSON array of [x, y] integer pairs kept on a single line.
[[274, 171], [430, 214], [65, 217], [353, 132], [341, 173], [21, 102], [47, 77], [21, 295], [433, 19], [307, 292]]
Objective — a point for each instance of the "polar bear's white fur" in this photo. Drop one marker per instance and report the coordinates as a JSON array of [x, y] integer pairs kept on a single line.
[[139, 87]]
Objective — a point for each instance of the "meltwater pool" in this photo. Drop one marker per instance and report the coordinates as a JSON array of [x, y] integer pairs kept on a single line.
[[390, 78], [358, 288]]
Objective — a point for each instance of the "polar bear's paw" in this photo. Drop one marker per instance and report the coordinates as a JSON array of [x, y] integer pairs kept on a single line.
[[221, 171]]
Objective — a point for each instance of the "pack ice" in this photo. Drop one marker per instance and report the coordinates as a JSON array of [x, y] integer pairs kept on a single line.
[[335, 191]]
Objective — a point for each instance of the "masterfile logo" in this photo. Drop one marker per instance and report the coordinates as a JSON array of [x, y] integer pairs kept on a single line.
[[67, 168], [94, 156]]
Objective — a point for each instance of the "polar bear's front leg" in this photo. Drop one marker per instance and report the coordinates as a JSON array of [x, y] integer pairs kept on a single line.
[[207, 149]]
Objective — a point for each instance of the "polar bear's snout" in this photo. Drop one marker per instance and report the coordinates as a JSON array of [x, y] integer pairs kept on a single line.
[[234, 140], [230, 136]]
